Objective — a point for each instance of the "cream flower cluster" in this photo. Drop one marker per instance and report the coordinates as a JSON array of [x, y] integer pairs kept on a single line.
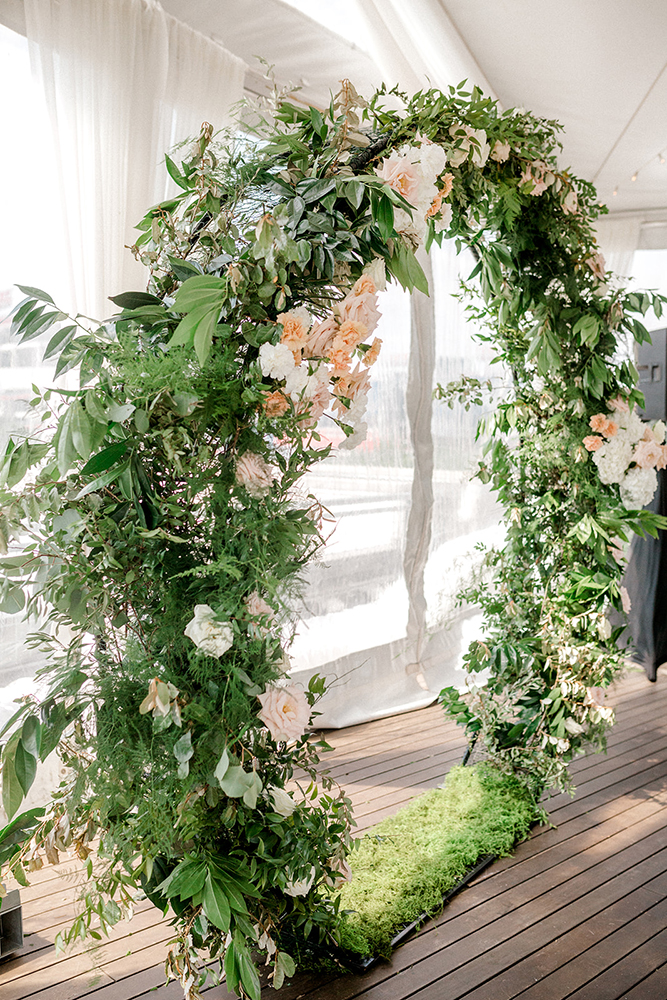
[[415, 173], [628, 452], [325, 364]]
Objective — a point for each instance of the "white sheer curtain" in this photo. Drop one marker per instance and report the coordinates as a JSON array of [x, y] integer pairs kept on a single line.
[[122, 80], [416, 45], [618, 237], [381, 619]]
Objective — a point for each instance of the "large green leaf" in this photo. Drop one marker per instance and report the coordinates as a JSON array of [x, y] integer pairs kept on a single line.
[[215, 904], [200, 291], [105, 459], [25, 767], [12, 793]]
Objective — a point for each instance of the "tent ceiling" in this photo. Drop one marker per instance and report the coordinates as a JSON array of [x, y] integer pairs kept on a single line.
[[588, 63], [598, 66]]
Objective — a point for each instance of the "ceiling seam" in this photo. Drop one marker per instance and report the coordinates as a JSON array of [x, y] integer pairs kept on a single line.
[[628, 124]]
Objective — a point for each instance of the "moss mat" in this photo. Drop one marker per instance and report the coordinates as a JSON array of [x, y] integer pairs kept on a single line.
[[404, 866]]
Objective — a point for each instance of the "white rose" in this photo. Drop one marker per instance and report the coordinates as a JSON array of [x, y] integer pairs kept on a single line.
[[377, 272], [659, 431], [301, 886], [358, 437], [276, 360], [296, 381], [207, 633], [281, 801], [500, 151], [573, 727]]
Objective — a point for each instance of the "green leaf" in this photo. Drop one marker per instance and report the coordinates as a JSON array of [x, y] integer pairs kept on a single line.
[[25, 767], [31, 735], [105, 459], [12, 793], [104, 480], [175, 173], [134, 300], [16, 833], [183, 749], [199, 292], [58, 341], [80, 429], [36, 293], [249, 976], [251, 794], [185, 881], [12, 601], [215, 904], [236, 782], [284, 967], [222, 766]]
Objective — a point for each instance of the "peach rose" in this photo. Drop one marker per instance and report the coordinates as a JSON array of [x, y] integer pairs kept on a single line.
[[340, 357], [295, 333], [603, 425], [593, 442], [285, 711], [618, 404], [275, 403], [320, 338], [400, 174]]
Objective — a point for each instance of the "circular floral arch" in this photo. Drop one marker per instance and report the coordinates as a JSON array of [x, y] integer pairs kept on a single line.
[[163, 532]]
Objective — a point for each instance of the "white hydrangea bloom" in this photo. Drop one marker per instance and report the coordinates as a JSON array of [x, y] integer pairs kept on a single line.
[[613, 458], [638, 487], [296, 380], [630, 426]]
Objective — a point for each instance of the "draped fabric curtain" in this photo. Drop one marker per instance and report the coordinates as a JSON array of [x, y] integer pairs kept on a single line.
[[416, 45], [618, 237], [122, 79], [381, 619]]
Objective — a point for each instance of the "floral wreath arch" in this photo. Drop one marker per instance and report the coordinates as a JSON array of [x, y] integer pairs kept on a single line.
[[158, 512]]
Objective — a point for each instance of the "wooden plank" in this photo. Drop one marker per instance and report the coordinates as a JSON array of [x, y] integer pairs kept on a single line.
[[654, 987], [595, 960], [538, 950]]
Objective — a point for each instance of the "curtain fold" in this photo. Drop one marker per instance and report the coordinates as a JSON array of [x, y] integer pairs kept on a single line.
[[416, 45], [618, 237], [119, 76]]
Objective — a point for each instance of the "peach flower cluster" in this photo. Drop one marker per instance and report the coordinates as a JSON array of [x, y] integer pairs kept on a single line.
[[324, 364], [627, 451]]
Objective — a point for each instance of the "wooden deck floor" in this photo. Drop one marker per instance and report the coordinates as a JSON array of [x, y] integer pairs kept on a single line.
[[578, 912]]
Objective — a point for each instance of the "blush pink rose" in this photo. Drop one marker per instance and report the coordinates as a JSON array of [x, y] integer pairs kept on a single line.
[[618, 404], [360, 308], [321, 338], [402, 175], [647, 454], [254, 474], [285, 712]]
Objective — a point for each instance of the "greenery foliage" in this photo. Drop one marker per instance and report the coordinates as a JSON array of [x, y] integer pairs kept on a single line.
[[405, 865], [155, 522]]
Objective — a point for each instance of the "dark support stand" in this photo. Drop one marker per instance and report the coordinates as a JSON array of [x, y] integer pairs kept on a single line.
[[11, 925]]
